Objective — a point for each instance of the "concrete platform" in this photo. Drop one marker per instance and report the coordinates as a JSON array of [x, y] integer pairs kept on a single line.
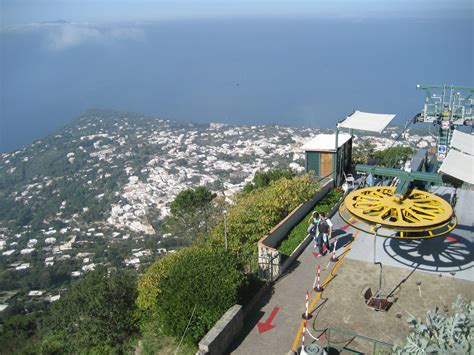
[[450, 254], [421, 274]]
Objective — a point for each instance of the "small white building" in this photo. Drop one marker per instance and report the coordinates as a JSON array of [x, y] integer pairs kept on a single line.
[[35, 293], [23, 266]]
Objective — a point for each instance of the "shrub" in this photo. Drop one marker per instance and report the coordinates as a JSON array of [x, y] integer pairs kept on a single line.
[[254, 214], [264, 178], [441, 333], [195, 285]]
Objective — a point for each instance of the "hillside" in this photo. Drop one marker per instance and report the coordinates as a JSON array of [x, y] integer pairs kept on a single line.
[[96, 191]]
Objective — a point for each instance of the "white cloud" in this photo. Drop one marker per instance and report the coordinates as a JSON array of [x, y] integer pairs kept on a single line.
[[64, 35]]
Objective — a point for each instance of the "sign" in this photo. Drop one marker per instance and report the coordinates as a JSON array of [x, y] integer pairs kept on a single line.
[[441, 157], [445, 124], [263, 327], [442, 149]]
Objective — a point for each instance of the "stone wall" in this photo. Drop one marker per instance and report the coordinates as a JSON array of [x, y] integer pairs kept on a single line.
[[222, 334]]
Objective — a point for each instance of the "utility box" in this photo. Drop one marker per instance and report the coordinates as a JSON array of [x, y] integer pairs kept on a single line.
[[321, 157]]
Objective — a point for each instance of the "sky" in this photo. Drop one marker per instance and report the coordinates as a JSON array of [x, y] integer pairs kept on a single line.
[[103, 11]]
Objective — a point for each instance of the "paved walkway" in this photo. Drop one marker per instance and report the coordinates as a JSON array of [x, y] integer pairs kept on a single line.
[[287, 300]]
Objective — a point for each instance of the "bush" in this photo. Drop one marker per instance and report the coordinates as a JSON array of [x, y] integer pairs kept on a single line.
[[264, 178], [441, 333], [254, 214], [195, 286]]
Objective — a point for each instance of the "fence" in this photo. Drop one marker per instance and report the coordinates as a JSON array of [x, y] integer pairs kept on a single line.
[[344, 341]]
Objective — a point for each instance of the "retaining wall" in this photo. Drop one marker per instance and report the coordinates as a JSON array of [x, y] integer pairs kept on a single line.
[[218, 339]]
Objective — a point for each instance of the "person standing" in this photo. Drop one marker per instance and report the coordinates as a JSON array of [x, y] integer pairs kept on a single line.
[[313, 222], [324, 230]]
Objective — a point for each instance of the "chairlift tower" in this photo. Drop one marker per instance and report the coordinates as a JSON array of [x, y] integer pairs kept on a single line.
[[446, 107]]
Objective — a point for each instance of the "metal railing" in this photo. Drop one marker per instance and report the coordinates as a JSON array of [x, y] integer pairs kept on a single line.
[[345, 341]]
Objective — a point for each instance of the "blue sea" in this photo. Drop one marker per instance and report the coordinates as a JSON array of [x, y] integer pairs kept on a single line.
[[297, 72]]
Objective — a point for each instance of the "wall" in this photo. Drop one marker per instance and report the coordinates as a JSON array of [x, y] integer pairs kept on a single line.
[[222, 334], [269, 258]]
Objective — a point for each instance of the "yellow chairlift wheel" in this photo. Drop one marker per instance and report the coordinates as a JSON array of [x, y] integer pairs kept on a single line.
[[380, 205]]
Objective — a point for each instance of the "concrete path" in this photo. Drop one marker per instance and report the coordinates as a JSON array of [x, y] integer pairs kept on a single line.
[[288, 295]]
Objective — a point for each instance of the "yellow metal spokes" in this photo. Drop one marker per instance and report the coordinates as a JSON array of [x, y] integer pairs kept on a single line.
[[379, 205]]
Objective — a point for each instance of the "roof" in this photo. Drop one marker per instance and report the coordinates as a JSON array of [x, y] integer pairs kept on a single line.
[[464, 142], [326, 142], [459, 165], [364, 121]]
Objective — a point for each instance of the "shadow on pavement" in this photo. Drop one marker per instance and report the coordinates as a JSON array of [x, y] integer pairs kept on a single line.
[[337, 233], [448, 253], [464, 227], [253, 317], [289, 270], [343, 241]]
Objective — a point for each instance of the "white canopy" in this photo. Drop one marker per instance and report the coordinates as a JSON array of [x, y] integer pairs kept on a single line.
[[326, 142], [463, 142], [364, 121], [459, 165]]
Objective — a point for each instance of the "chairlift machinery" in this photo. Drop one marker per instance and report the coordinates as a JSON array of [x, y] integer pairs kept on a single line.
[[406, 211]]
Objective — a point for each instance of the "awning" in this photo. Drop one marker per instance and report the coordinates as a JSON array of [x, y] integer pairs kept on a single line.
[[463, 142], [364, 121], [459, 165], [326, 142]]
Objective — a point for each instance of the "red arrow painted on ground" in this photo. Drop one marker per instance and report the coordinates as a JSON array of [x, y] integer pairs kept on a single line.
[[263, 327]]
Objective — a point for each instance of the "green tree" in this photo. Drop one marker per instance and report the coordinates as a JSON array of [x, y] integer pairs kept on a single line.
[[191, 214], [362, 151], [264, 178], [194, 286], [390, 157], [441, 333], [97, 311]]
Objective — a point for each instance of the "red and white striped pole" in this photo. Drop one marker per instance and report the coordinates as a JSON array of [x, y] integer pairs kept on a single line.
[[334, 258], [318, 287], [302, 336], [306, 314], [307, 305]]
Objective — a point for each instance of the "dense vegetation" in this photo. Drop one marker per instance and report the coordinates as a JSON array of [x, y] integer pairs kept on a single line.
[[255, 213], [192, 214], [264, 178], [299, 232], [96, 314], [187, 292], [389, 157]]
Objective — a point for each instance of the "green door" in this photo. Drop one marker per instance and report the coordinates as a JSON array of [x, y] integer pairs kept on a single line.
[[312, 162]]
